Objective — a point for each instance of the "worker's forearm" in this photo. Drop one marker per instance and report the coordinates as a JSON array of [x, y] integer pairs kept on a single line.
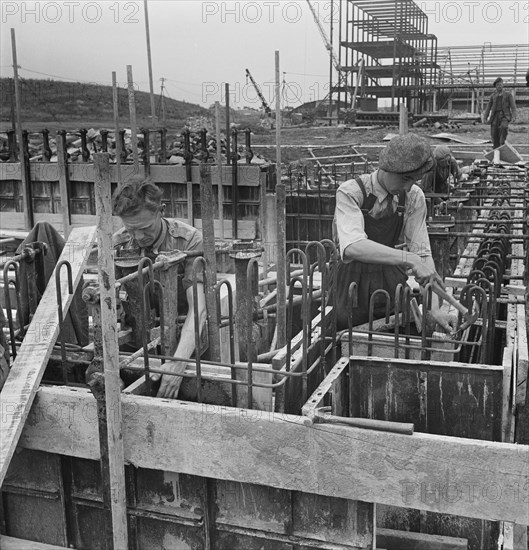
[[368, 251], [186, 344]]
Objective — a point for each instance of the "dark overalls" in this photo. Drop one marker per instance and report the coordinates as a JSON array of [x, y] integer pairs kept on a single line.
[[370, 276]]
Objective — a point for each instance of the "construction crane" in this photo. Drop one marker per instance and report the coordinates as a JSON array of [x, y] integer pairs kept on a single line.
[[328, 44], [266, 107], [342, 77]]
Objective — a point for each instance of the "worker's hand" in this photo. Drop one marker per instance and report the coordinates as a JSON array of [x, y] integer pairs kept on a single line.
[[170, 384], [425, 272], [447, 321]]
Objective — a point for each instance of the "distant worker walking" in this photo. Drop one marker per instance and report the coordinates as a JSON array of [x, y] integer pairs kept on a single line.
[[499, 112]]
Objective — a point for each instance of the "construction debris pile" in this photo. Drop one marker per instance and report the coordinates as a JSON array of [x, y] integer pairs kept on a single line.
[[179, 148]]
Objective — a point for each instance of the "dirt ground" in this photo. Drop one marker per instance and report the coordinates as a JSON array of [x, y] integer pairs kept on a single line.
[[322, 137]]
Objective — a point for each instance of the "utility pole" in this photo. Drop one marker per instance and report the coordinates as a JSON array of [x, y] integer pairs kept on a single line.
[[151, 85], [22, 156], [331, 66], [162, 100]]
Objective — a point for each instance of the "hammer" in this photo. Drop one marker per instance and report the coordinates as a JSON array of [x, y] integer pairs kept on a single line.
[[322, 415], [470, 318]]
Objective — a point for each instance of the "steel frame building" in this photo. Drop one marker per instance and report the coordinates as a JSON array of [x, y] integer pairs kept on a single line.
[[399, 55]]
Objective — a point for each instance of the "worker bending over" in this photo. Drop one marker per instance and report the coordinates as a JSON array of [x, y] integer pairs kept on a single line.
[[375, 213], [138, 204], [437, 180]]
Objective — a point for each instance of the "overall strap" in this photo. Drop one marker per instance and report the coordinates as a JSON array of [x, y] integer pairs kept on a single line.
[[368, 201]]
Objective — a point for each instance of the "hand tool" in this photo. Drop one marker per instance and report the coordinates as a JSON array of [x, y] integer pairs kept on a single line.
[[322, 415], [469, 317], [417, 314]]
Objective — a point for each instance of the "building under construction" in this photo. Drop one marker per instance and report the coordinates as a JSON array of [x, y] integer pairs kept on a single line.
[[386, 48], [388, 56], [286, 432]]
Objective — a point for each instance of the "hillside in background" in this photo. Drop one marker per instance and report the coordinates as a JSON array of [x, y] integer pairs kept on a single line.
[[63, 104]]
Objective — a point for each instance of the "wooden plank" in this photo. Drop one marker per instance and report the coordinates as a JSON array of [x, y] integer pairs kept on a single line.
[[518, 320], [383, 345], [522, 354], [249, 175], [317, 398], [472, 478], [280, 358], [24, 377], [10, 543], [408, 540], [109, 329], [10, 171], [507, 420]]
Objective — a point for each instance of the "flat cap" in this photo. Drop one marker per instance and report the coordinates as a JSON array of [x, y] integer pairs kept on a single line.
[[407, 154], [499, 79], [441, 152]]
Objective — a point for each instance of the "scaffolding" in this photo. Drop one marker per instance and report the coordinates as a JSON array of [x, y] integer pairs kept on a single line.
[[399, 55], [466, 74]]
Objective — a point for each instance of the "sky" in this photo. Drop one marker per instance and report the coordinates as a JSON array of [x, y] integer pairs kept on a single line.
[[197, 46]]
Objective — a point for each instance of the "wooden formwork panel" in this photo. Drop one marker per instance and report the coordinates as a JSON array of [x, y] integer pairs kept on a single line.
[[33, 489], [449, 399], [279, 450], [171, 510], [453, 399], [47, 203]]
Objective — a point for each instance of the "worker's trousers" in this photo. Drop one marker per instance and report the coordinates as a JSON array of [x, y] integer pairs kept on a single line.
[[498, 131]]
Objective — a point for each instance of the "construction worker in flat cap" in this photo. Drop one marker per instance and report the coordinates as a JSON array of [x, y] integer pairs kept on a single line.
[[445, 165], [500, 111], [375, 213]]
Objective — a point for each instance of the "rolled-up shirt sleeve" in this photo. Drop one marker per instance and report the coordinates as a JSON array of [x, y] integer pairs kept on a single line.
[[348, 218], [415, 230]]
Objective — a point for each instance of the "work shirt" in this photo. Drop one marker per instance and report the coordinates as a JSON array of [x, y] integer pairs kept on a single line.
[[502, 105], [348, 224], [175, 235]]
